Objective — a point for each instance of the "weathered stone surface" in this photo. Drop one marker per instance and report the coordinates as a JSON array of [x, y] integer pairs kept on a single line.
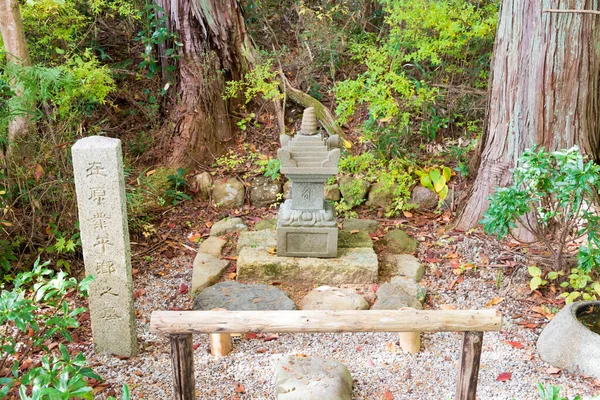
[[303, 378], [351, 266], [424, 198], [406, 265], [332, 298], [398, 241], [332, 192], [380, 195], [346, 239], [228, 193], [566, 343], [363, 225], [264, 239], [390, 297], [100, 187], [353, 190], [287, 190], [207, 270], [410, 286], [233, 295], [264, 191], [204, 185], [266, 224], [228, 225], [212, 245], [295, 241]]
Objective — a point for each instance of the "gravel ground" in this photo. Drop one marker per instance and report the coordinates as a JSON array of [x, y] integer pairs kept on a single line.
[[377, 364]]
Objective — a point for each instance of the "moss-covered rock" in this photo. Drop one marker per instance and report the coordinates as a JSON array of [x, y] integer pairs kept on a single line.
[[398, 241]]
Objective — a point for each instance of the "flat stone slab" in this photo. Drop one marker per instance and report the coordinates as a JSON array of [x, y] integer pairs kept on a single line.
[[266, 224], [348, 239], [390, 297], [233, 295], [356, 265], [207, 270], [363, 225], [303, 378], [212, 245], [332, 298], [398, 241], [264, 239], [228, 225], [406, 265]]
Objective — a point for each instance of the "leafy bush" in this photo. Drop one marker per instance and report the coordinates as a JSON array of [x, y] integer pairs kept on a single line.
[[580, 283], [553, 393], [551, 197]]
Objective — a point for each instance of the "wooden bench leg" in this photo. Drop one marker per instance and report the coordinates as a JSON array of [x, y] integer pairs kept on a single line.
[[220, 344], [468, 369], [182, 359], [410, 342]]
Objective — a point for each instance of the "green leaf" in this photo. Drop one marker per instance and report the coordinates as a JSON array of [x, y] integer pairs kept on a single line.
[[426, 182], [572, 297], [534, 271], [443, 193], [535, 283], [447, 173]]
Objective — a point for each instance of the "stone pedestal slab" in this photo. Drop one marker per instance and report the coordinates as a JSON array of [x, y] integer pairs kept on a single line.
[[356, 265]]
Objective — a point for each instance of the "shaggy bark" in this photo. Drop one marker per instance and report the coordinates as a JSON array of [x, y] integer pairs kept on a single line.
[[216, 48], [544, 90], [13, 37]]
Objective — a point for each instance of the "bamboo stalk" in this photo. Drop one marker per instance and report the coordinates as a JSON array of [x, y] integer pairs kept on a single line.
[[405, 320]]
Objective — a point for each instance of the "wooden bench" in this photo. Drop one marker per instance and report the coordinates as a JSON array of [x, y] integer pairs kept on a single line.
[[180, 325]]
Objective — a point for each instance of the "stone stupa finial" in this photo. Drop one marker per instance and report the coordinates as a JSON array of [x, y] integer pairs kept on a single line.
[[309, 122]]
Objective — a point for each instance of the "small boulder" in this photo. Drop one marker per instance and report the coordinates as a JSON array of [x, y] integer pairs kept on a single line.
[[390, 297], [380, 195], [410, 286], [266, 224], [287, 190], [302, 378], [331, 298], [353, 190], [406, 265], [398, 241], [232, 295], [207, 270], [228, 225], [264, 239], [347, 239], [159, 181], [424, 198], [212, 245], [332, 192], [363, 225], [204, 185], [264, 191], [228, 193]]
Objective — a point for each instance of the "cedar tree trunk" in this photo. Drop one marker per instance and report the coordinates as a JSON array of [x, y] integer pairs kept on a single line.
[[216, 48], [543, 90], [13, 37]]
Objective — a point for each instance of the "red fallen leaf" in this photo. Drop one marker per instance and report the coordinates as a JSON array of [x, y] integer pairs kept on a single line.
[[371, 363], [134, 271], [387, 395], [375, 288], [261, 350], [250, 335], [433, 260], [38, 173], [503, 377], [138, 293], [171, 225], [196, 346], [121, 357], [358, 348], [26, 364], [239, 388], [183, 289], [553, 371], [270, 337], [516, 345]]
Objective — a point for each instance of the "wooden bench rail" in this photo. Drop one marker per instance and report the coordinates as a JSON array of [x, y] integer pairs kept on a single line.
[[180, 325], [405, 320]]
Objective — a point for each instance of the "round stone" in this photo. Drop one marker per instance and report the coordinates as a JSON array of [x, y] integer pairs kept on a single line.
[[232, 295]]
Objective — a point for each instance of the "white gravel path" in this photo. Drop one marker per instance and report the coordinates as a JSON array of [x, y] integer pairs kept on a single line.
[[374, 359]]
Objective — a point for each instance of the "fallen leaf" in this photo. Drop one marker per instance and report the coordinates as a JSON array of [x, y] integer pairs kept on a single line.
[[272, 336], [183, 289], [407, 214], [232, 275], [272, 250], [494, 301], [503, 377], [447, 307], [239, 388], [371, 363], [150, 172], [485, 260], [135, 271], [516, 345], [171, 225], [375, 288], [208, 224], [433, 260], [553, 370], [261, 350], [194, 237], [391, 348], [196, 346], [387, 395], [38, 173], [250, 335]]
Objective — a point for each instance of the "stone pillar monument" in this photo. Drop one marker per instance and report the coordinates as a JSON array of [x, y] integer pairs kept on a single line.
[[306, 224], [99, 182]]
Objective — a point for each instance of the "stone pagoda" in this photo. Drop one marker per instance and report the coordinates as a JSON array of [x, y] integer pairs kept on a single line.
[[306, 224]]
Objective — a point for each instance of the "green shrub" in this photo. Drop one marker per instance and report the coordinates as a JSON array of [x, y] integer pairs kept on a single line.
[[553, 393], [551, 197]]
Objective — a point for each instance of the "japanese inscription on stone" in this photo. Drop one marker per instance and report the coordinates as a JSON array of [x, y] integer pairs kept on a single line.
[[99, 182]]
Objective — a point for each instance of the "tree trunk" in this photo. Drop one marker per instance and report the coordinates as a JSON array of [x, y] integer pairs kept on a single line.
[[543, 90], [216, 48], [13, 37]]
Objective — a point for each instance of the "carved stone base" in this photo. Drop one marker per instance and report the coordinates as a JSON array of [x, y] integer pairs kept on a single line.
[[295, 241]]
